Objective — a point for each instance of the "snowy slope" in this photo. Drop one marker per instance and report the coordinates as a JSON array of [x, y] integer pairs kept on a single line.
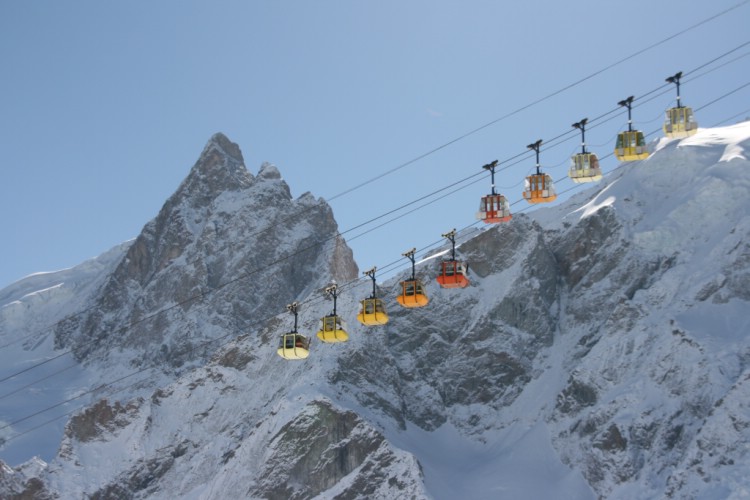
[[637, 415], [601, 351], [29, 309]]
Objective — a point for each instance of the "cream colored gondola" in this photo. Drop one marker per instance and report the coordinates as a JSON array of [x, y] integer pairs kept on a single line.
[[679, 121], [293, 345], [584, 166]]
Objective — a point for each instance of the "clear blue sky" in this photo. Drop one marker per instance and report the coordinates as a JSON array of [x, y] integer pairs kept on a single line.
[[105, 106]]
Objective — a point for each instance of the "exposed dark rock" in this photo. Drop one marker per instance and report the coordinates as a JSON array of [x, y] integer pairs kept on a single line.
[[315, 450], [611, 440], [235, 357], [575, 396], [580, 248], [99, 418], [495, 250]]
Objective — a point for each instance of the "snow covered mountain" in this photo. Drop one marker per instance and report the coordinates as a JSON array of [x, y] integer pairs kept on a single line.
[[224, 254], [602, 350]]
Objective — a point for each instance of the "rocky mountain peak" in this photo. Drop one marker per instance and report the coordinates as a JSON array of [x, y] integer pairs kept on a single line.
[[219, 168], [229, 148], [222, 224]]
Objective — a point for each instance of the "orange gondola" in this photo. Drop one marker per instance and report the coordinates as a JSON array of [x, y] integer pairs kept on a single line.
[[494, 207], [452, 273], [412, 292], [539, 187]]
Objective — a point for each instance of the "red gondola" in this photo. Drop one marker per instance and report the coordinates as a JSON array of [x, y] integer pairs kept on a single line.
[[452, 272], [493, 208]]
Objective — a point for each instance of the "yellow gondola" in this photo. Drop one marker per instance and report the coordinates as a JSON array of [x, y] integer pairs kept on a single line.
[[631, 145], [412, 292], [584, 166], [372, 311], [539, 187], [293, 345], [680, 121], [332, 327]]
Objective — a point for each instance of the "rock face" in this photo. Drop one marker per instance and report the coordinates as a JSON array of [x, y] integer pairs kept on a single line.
[[226, 250], [204, 436], [465, 355], [313, 452], [601, 351]]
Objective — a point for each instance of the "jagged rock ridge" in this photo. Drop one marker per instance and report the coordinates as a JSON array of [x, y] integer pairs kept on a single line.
[[225, 250]]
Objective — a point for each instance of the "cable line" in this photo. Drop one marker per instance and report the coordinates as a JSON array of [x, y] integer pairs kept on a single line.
[[538, 101], [745, 112], [723, 96]]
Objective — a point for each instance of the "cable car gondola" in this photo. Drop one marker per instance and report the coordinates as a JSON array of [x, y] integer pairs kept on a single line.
[[584, 167], [631, 145], [293, 345], [452, 272], [539, 187], [332, 327], [412, 291], [494, 207], [680, 121], [372, 310]]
